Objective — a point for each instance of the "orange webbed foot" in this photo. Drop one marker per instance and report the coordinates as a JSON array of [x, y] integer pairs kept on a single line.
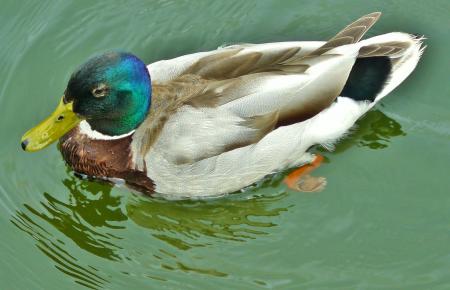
[[300, 180]]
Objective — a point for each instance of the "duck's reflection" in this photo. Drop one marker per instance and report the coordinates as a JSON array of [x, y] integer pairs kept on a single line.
[[95, 220], [88, 216], [374, 131], [182, 223]]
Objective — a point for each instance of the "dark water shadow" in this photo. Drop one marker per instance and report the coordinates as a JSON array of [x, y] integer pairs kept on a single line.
[[189, 224], [374, 131], [182, 223], [88, 216], [92, 218]]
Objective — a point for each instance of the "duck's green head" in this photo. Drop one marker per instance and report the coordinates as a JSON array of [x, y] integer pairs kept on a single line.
[[112, 92]]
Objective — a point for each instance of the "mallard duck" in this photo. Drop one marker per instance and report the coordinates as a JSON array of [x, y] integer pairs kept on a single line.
[[211, 123]]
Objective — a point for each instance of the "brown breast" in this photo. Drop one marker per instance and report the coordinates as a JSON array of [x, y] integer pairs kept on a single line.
[[103, 159]]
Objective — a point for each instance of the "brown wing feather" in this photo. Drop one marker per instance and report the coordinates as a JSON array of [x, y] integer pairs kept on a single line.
[[350, 34], [384, 49], [235, 62], [226, 64]]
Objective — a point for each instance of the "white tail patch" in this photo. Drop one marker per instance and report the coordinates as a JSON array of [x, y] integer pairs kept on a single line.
[[405, 64]]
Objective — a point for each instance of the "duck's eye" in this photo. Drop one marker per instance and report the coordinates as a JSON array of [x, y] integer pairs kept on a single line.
[[100, 91]]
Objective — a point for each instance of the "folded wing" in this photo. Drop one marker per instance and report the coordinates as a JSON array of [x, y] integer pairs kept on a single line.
[[213, 102]]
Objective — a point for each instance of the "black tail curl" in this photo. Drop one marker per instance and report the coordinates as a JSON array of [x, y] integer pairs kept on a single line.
[[367, 78]]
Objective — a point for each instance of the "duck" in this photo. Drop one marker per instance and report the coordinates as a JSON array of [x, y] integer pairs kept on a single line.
[[212, 123]]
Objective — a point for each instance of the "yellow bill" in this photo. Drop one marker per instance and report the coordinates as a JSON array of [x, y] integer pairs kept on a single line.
[[61, 121]]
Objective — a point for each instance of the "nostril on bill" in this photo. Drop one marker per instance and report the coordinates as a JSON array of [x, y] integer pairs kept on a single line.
[[24, 144]]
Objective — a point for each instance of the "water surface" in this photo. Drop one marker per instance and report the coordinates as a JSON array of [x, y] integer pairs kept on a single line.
[[383, 222]]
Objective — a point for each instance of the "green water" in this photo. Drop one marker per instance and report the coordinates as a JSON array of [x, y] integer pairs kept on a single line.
[[383, 222]]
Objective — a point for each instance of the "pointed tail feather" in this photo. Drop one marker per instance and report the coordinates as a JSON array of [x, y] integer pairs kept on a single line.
[[350, 34]]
